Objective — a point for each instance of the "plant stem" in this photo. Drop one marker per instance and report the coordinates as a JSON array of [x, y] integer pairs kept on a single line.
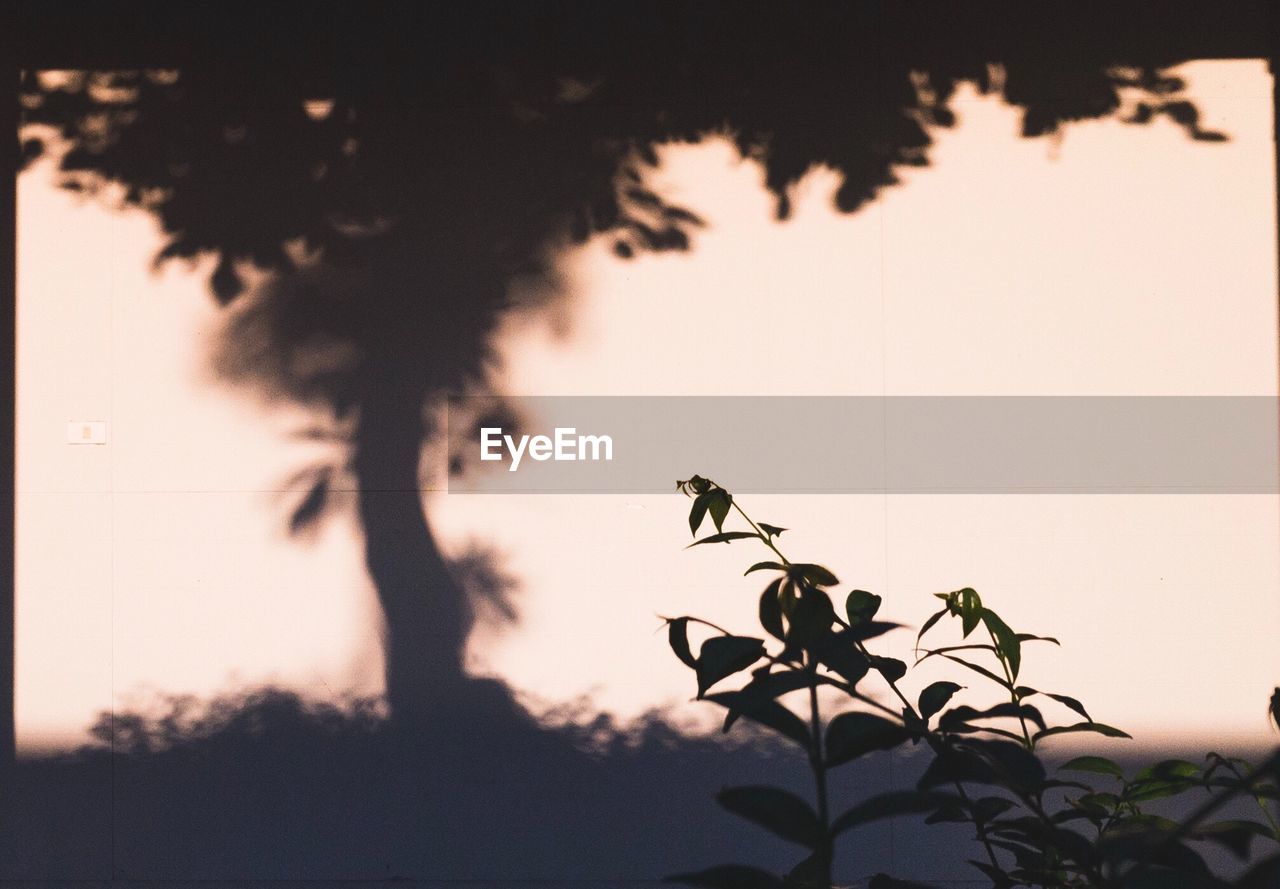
[[979, 826], [763, 536], [819, 766]]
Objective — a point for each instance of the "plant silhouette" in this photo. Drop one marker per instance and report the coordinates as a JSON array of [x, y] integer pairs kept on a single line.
[[392, 204], [986, 769]]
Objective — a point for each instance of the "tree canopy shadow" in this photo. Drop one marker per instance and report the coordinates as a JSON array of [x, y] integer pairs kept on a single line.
[[390, 205]]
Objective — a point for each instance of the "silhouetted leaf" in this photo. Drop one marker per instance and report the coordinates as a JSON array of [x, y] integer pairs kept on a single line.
[[970, 606], [935, 697], [977, 668], [947, 649], [1031, 637], [861, 606], [776, 810], [678, 637], [890, 805], [810, 619], [1096, 764], [929, 624], [765, 566], [774, 685], [1014, 764], [764, 711], [718, 506], [729, 876], [1170, 770], [950, 766], [725, 537], [838, 652], [771, 610], [1007, 643], [959, 716], [814, 574], [722, 656], [864, 630], [851, 735], [1070, 702], [890, 668], [698, 510], [1096, 727], [948, 815], [771, 530]]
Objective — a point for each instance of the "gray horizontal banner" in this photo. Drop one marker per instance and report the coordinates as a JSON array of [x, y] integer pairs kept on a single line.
[[865, 445]]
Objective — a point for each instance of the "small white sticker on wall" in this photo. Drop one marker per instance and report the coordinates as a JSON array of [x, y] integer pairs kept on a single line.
[[92, 432]]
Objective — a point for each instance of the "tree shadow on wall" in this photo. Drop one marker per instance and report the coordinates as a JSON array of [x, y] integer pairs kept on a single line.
[[392, 204]]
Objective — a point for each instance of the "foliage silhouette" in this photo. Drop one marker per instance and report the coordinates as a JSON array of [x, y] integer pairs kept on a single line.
[[985, 771], [393, 203]]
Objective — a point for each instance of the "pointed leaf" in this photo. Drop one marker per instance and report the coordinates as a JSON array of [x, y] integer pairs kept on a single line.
[[698, 511], [776, 810], [1008, 710], [771, 610], [981, 671], [864, 630], [771, 530], [764, 711], [1029, 637], [1096, 727], [1070, 702], [722, 656], [1006, 640], [678, 637], [1099, 765], [890, 805], [928, 625], [718, 506], [765, 566], [935, 697], [725, 537], [970, 609], [851, 735]]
